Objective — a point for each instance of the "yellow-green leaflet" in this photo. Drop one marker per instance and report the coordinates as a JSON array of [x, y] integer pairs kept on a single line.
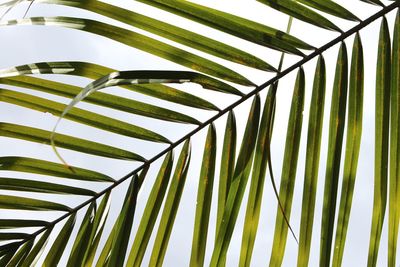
[[204, 197], [238, 185], [314, 134], [171, 207], [289, 169], [58, 247], [382, 113], [394, 195], [353, 142], [335, 142], [150, 214], [257, 181], [235, 25], [37, 250]]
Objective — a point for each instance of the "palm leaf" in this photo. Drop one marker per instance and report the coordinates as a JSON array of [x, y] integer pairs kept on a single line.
[[95, 242], [238, 185], [204, 197], [394, 195], [382, 111], [289, 170], [107, 100], [138, 41], [166, 30], [312, 162], [336, 129], [353, 142]]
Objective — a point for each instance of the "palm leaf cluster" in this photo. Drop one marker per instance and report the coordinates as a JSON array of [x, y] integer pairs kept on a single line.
[[95, 226]]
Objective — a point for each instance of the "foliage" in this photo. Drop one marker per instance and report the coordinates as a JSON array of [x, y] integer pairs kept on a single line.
[[40, 229]]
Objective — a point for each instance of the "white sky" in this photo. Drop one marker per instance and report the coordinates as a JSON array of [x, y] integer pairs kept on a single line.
[[23, 45]]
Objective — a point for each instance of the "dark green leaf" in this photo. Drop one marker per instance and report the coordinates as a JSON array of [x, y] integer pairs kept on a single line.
[[138, 41], [65, 141], [82, 238], [170, 31], [312, 162], [238, 185], [330, 7], [97, 230], [242, 28], [204, 198], [382, 113], [123, 226], [301, 12], [21, 254], [37, 250], [227, 166], [171, 207], [31, 165], [57, 249], [80, 115], [289, 169], [394, 195], [150, 213], [17, 223], [94, 71], [336, 129], [257, 182], [353, 141], [41, 187], [23, 203]]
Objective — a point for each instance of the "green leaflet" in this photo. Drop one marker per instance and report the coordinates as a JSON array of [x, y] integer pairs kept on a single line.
[[375, 2], [37, 250], [24, 203], [123, 226], [150, 77], [301, 12], [242, 28], [16, 223], [394, 195], [160, 91], [5, 259], [31, 165], [289, 169], [257, 181], [382, 112], [204, 198], [82, 238], [312, 162], [10, 236], [58, 247], [353, 141], [96, 231], [21, 254], [150, 213], [330, 7], [41, 187], [238, 185], [169, 31], [138, 41], [227, 166], [94, 71], [336, 129], [65, 141], [80, 115], [109, 247], [171, 207]]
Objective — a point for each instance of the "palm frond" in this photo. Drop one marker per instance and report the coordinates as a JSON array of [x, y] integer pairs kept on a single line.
[[95, 226]]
